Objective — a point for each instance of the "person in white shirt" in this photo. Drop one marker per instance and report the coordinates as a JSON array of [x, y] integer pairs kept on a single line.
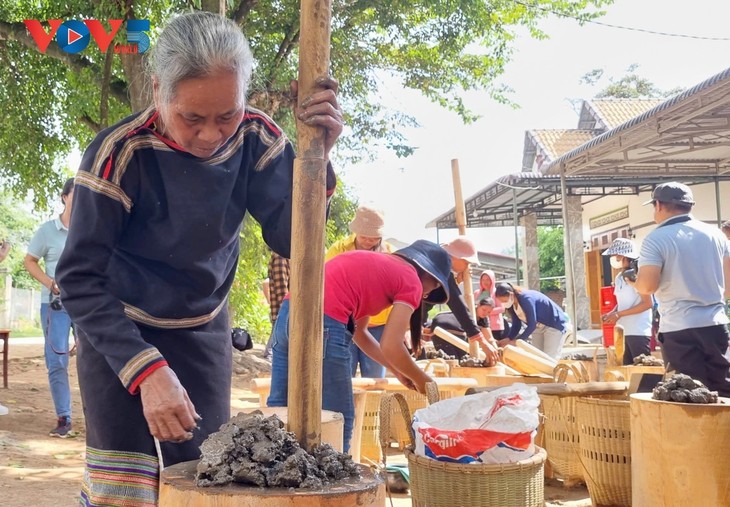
[[632, 310]]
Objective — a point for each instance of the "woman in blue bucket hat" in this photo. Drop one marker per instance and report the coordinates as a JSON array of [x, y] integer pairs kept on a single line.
[[632, 310], [357, 285]]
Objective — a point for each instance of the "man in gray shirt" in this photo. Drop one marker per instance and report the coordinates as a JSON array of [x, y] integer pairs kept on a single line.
[[685, 263]]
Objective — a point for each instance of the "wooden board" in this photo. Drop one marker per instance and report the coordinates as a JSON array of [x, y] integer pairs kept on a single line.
[[178, 489]]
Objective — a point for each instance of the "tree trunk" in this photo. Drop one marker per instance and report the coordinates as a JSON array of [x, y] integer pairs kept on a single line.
[[217, 6], [139, 88]]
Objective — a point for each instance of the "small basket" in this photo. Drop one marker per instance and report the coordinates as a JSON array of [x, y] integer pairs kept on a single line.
[[442, 484], [605, 449]]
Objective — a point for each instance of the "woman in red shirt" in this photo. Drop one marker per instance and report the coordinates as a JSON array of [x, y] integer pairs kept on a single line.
[[359, 284]]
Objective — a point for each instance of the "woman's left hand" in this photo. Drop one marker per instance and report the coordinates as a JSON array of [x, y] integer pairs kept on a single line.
[[320, 109]]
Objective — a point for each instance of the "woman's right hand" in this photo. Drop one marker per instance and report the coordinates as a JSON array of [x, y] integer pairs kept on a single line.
[[171, 416], [421, 381]]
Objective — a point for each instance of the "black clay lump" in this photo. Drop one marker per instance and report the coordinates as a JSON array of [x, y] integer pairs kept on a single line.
[[257, 450], [684, 389]]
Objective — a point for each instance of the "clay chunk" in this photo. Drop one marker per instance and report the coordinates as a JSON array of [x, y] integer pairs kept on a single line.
[[257, 450], [682, 388]]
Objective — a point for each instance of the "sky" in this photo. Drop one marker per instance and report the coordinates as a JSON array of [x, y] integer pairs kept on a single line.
[[544, 75]]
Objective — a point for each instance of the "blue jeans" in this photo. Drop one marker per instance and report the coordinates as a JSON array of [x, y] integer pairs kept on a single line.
[[56, 327], [369, 368], [336, 379]]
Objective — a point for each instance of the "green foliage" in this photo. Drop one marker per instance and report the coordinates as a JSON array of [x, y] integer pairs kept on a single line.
[[630, 86], [246, 302], [551, 255], [17, 225], [53, 100]]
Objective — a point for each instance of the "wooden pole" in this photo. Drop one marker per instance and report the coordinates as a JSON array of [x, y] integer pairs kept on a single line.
[[308, 232], [461, 224]]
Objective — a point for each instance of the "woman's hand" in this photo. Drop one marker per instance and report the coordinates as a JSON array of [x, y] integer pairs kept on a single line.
[[170, 414], [611, 317], [321, 109], [404, 380], [506, 341]]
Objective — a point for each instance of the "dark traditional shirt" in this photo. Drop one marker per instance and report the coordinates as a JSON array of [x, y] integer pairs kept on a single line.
[[154, 235]]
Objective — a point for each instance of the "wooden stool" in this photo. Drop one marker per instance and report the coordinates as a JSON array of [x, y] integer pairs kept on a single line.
[[5, 337]]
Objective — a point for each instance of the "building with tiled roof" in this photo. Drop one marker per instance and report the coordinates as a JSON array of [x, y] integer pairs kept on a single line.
[[544, 146], [604, 114]]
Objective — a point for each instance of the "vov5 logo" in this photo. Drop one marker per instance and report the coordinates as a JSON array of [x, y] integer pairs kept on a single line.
[[73, 36]]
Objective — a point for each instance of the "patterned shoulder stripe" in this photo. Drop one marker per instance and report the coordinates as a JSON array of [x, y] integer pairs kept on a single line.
[[137, 142], [120, 478], [107, 146], [143, 317], [230, 149], [137, 364], [260, 116], [274, 151], [96, 184]]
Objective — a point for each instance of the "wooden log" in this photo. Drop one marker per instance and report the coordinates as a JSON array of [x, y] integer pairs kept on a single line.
[[457, 342], [307, 252], [178, 489], [528, 347], [584, 389], [460, 212], [679, 452], [526, 362]]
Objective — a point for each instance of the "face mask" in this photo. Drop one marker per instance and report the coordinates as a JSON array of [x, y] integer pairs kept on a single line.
[[617, 263], [509, 303]]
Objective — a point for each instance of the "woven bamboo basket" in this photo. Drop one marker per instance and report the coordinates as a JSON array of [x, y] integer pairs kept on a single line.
[[370, 450], [441, 484], [605, 449], [560, 436]]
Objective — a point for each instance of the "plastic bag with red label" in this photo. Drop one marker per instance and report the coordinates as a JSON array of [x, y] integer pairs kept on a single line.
[[493, 427]]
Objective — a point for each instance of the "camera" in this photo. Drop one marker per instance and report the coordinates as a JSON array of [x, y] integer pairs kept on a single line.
[[55, 302], [630, 274]]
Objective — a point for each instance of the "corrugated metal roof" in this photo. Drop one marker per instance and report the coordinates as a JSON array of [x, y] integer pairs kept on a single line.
[[689, 122]]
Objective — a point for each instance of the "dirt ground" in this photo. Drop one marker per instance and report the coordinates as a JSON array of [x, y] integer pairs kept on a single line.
[[39, 471]]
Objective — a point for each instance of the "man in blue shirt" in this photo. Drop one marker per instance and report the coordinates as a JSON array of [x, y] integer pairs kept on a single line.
[[47, 244], [685, 263]]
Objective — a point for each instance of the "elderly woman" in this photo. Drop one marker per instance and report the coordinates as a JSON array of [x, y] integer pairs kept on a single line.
[[153, 248]]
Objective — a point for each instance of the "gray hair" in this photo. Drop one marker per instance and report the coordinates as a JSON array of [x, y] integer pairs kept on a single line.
[[199, 44]]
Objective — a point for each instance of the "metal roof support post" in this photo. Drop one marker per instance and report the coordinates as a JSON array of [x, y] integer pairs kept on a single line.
[[569, 274], [517, 238], [717, 198]]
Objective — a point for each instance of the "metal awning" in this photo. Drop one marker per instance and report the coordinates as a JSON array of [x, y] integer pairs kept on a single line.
[[688, 134], [685, 138], [530, 192]]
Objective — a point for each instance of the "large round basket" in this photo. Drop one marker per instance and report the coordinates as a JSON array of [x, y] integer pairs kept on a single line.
[[440, 484], [605, 449], [560, 434]]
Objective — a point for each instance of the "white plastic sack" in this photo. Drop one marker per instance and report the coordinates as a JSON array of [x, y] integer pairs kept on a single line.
[[493, 427]]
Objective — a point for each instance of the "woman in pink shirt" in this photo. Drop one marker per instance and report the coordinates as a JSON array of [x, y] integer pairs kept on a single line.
[[359, 284], [486, 289]]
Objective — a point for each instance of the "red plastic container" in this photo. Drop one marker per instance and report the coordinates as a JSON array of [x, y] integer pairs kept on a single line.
[[608, 302]]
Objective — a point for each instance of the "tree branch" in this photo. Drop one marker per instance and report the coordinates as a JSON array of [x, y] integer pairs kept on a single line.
[[89, 122], [240, 14], [285, 48], [18, 33]]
